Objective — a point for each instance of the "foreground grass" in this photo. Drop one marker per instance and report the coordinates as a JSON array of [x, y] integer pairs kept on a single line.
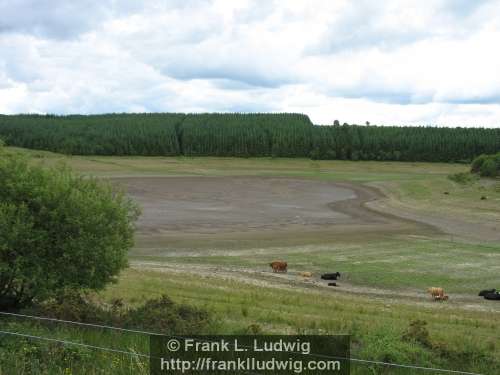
[[460, 340], [376, 327], [20, 355]]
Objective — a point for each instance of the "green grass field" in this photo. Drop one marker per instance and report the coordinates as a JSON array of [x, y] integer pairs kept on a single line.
[[390, 264], [386, 274]]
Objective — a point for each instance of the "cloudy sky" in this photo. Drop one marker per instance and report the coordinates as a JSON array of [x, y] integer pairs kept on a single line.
[[387, 62]]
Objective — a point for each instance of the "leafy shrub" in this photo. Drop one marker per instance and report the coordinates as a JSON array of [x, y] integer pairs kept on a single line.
[[164, 316], [58, 231], [160, 315], [486, 165], [75, 307], [488, 169], [478, 162]]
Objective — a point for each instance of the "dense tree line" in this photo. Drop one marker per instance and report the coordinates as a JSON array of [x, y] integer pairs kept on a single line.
[[353, 142], [224, 135], [115, 134], [233, 134], [246, 135]]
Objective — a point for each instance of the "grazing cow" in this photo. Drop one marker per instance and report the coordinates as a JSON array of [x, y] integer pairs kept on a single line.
[[332, 284], [305, 274], [330, 276], [436, 293], [484, 292], [279, 266], [495, 296]]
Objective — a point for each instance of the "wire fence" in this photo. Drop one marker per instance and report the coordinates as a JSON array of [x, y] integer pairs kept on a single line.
[[143, 355], [80, 323]]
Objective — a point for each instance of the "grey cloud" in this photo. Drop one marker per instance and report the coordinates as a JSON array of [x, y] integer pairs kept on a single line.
[[107, 99], [228, 77], [257, 13], [250, 107], [229, 66], [53, 19], [18, 59], [463, 8], [380, 94], [383, 95], [231, 84], [376, 92], [359, 26], [472, 99], [59, 19]]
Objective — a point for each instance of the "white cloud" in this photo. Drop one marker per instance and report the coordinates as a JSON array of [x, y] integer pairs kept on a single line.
[[396, 62]]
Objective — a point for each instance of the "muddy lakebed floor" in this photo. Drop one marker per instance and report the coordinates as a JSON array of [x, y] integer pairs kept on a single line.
[[213, 205]]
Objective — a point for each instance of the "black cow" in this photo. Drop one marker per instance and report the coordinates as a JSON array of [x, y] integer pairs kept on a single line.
[[332, 284], [492, 296], [330, 276], [482, 293]]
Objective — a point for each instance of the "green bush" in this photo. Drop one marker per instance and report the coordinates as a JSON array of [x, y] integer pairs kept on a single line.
[[164, 316], [76, 307], [478, 162], [486, 165], [488, 169], [160, 315], [58, 231]]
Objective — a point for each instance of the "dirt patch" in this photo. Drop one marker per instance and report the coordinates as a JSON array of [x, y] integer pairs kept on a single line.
[[215, 206]]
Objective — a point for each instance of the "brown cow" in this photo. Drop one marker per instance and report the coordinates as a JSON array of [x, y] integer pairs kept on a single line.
[[279, 266], [437, 293], [305, 274]]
